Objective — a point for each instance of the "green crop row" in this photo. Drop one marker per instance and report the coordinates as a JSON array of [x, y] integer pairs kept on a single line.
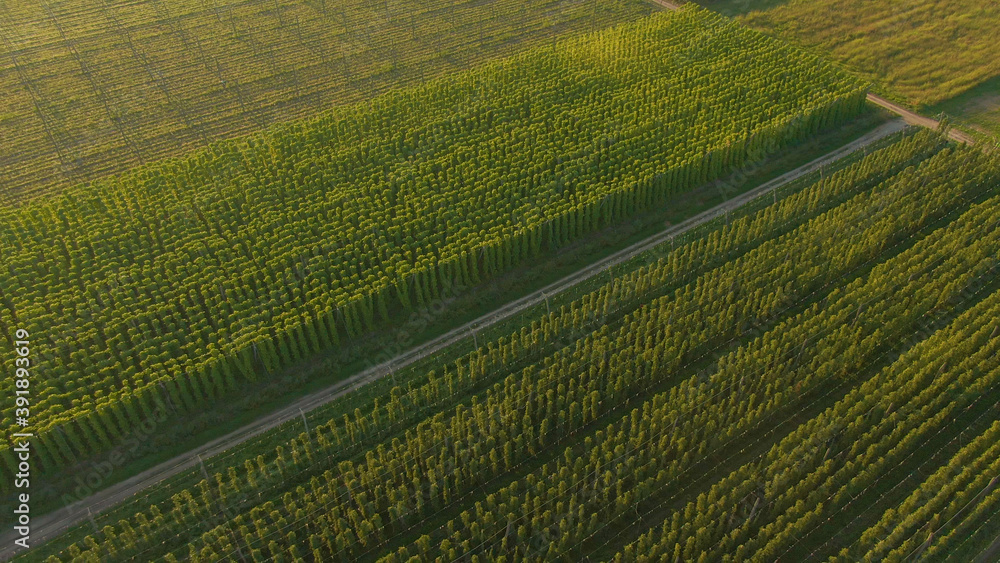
[[169, 286], [540, 444], [93, 88]]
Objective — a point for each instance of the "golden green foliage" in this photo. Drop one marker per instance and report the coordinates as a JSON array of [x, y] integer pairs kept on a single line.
[[718, 402], [924, 51], [174, 282], [92, 87]]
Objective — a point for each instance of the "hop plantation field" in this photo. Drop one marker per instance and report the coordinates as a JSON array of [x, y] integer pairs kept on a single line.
[[94, 87], [220, 218], [715, 400], [922, 52], [173, 284]]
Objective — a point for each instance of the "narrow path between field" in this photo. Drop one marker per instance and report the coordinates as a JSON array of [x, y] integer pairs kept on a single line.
[[55, 523], [916, 119], [668, 5]]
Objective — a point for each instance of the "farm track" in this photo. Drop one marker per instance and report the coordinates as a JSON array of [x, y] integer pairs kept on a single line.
[[53, 524], [666, 5], [917, 119]]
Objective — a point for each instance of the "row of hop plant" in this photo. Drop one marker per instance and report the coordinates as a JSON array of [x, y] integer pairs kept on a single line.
[[594, 488], [95, 88], [630, 335], [766, 507], [572, 502], [176, 282]]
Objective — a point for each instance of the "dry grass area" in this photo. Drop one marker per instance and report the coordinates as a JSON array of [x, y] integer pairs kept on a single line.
[[922, 52], [977, 110]]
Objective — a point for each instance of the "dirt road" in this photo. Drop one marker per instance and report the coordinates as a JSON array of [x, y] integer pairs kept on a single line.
[[53, 524], [917, 119], [667, 5]]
